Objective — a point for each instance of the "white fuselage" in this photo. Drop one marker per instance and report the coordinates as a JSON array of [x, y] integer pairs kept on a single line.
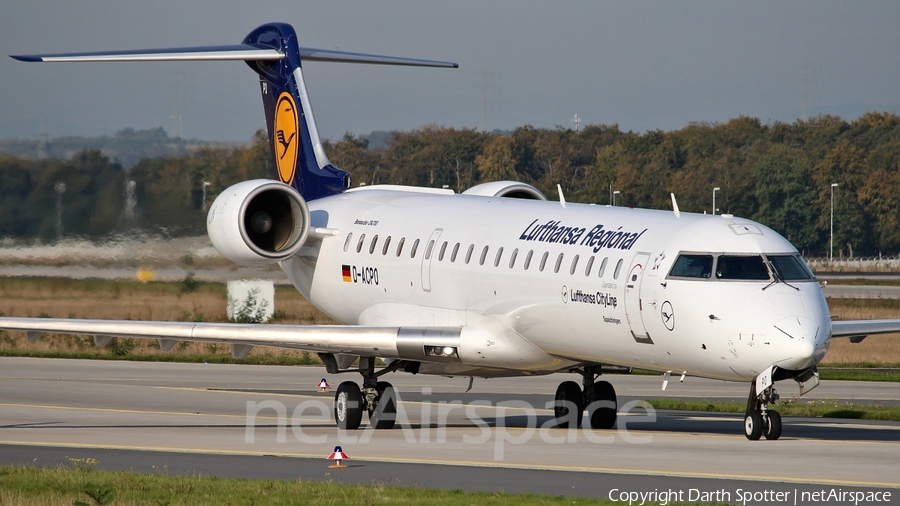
[[584, 283]]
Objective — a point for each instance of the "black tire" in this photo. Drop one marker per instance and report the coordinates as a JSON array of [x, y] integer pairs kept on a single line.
[[385, 413], [773, 428], [753, 425], [568, 394], [348, 406], [602, 412]]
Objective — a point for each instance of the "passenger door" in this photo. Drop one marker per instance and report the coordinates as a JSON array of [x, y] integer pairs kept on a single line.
[[428, 257], [633, 304]]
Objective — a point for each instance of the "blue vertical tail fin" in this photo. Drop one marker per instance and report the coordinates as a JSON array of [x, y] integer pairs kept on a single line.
[[273, 52], [298, 154]]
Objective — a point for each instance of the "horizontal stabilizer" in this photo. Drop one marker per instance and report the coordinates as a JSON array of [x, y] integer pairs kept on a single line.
[[232, 52], [245, 52], [312, 54]]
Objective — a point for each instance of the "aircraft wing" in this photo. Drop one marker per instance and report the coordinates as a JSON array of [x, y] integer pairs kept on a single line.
[[860, 328], [345, 339]]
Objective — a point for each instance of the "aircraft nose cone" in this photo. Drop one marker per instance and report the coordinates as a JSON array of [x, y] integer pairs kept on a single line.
[[794, 341]]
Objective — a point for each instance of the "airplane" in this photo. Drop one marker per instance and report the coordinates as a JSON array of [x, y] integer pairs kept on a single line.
[[497, 281]]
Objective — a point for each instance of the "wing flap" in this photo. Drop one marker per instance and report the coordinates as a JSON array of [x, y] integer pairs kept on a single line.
[[369, 341]]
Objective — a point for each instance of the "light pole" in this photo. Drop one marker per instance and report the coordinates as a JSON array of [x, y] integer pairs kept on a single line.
[[60, 188], [714, 198], [831, 248], [614, 197], [205, 186]]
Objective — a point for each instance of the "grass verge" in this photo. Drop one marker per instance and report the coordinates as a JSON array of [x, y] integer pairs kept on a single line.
[[856, 371], [818, 409], [860, 373], [32, 486]]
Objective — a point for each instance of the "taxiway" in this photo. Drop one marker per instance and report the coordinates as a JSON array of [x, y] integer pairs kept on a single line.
[[267, 421]]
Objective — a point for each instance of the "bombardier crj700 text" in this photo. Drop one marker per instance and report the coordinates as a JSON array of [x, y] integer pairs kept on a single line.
[[496, 281]]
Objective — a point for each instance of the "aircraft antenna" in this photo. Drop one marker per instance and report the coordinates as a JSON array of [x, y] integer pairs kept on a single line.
[[562, 198], [675, 206]]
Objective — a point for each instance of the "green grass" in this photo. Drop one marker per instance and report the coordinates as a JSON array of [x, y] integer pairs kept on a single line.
[[32, 486], [862, 371], [818, 409], [870, 372]]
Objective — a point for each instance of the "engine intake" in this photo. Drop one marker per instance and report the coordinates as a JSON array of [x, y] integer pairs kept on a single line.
[[257, 222]]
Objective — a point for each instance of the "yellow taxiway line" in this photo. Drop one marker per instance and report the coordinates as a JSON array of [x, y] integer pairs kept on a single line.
[[587, 469]]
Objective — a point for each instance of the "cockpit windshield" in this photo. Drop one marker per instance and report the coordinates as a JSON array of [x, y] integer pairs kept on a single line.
[[740, 267], [693, 266], [789, 267]]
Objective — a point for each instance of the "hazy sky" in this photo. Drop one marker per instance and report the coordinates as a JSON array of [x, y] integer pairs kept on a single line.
[[644, 65]]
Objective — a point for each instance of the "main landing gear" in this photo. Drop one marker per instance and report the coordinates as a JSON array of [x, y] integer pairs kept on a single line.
[[377, 398], [760, 420], [598, 397]]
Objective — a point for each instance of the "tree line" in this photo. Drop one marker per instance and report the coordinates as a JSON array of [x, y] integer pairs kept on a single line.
[[779, 174]]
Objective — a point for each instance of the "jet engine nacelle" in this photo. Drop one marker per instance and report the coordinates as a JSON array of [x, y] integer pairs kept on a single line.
[[508, 189], [258, 222]]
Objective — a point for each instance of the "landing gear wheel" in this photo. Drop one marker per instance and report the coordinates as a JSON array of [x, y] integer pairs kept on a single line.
[[773, 428], [602, 412], [753, 425], [384, 414], [348, 406], [568, 395]]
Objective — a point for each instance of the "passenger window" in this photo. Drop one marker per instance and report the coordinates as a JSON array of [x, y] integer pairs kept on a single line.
[[372, 247], [400, 245], [747, 268], [428, 249], [559, 260], [412, 253], [359, 245], [347, 242], [618, 269], [483, 256], [387, 242], [574, 264], [602, 269], [587, 270], [469, 253], [499, 254], [443, 250], [512, 258], [544, 260], [692, 266], [455, 251], [789, 267], [528, 259]]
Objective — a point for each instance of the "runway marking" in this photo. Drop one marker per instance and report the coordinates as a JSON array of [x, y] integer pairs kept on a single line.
[[850, 425], [396, 460], [413, 426], [133, 411]]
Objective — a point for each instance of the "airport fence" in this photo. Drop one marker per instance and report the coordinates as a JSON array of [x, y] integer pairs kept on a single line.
[[856, 264]]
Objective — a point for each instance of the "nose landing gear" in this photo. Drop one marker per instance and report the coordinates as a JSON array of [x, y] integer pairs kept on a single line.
[[599, 398], [760, 420]]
